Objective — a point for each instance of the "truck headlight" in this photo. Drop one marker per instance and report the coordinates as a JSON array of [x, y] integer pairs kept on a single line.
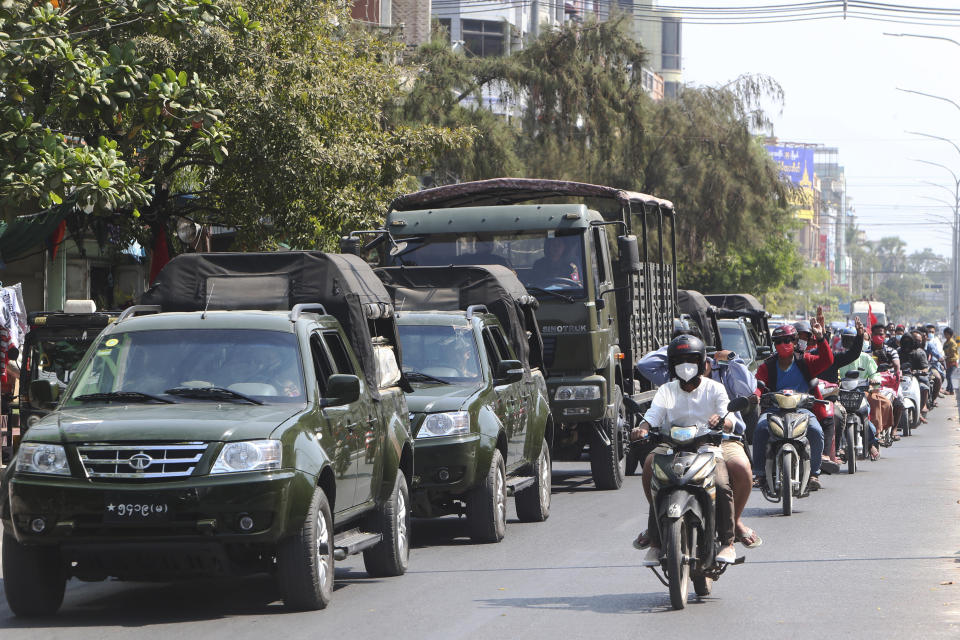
[[577, 392], [451, 423], [249, 455], [42, 458]]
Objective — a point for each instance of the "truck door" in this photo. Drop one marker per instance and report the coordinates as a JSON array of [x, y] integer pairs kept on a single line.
[[336, 432], [363, 427], [603, 282], [509, 405]]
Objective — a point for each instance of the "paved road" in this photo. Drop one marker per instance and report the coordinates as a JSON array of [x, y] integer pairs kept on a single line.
[[868, 556]]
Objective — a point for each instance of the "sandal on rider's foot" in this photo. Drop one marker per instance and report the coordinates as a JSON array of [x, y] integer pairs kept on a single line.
[[758, 482], [874, 453], [814, 483], [895, 437], [727, 555], [751, 540], [641, 542], [923, 419]]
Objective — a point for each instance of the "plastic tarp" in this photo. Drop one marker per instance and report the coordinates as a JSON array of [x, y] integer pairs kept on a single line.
[[27, 233], [494, 286], [344, 284], [697, 307], [733, 305]]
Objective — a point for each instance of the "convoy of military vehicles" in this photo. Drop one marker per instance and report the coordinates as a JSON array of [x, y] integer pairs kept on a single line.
[[276, 412]]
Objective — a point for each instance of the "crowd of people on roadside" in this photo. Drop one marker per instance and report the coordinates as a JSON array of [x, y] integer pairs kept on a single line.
[[694, 387]]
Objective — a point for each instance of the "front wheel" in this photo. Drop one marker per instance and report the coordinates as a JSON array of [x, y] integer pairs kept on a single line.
[[850, 451], [487, 504], [305, 560], [906, 422], [392, 521], [533, 503], [608, 462], [678, 570], [34, 578], [786, 483], [702, 585]]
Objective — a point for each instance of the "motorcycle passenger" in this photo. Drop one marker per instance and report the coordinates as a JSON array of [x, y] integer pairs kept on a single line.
[[914, 357], [804, 336], [935, 358], [689, 398], [883, 353], [950, 353], [849, 350], [788, 370]]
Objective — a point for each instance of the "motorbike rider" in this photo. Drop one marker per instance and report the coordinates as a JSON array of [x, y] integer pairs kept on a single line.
[[787, 370], [935, 358], [915, 358], [883, 353], [849, 350], [689, 398], [730, 370]]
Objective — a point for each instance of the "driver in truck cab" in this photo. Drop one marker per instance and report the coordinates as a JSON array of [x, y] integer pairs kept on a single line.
[[690, 398], [560, 261]]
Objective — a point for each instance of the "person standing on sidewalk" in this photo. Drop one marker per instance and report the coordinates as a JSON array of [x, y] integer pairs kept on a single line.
[[950, 348]]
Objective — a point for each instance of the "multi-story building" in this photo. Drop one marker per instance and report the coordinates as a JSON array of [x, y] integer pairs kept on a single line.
[[833, 214], [411, 17]]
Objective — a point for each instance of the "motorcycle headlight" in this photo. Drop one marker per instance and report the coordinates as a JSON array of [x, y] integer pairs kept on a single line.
[[42, 458], [800, 428], [660, 473], [249, 455], [451, 423], [577, 392], [776, 427]]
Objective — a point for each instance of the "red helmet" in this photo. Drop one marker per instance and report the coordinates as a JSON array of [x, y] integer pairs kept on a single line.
[[785, 331]]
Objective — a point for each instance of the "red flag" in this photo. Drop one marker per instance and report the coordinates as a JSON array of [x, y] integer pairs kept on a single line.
[[56, 238], [872, 319], [161, 254]]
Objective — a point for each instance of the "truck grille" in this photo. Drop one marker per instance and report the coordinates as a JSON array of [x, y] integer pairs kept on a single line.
[[138, 462], [851, 400], [549, 350]]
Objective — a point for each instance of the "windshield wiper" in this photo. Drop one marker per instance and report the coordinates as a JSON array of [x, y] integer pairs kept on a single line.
[[565, 298], [418, 376], [215, 393], [122, 395]]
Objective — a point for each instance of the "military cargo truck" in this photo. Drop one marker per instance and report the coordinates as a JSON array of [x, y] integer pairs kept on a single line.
[[600, 260]]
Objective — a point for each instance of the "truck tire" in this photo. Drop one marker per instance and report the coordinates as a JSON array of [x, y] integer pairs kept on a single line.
[[487, 504], [392, 520], [34, 578], [305, 559], [608, 462], [533, 503]]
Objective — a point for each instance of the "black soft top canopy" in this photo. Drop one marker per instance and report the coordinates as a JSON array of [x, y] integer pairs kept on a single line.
[[697, 307], [735, 302], [494, 286], [344, 284], [505, 191]]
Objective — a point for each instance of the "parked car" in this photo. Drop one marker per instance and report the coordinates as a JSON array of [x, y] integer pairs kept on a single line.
[[219, 429], [479, 407]]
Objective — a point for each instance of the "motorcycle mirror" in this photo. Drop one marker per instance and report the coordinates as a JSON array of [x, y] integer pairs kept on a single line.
[[738, 404], [884, 367], [852, 375]]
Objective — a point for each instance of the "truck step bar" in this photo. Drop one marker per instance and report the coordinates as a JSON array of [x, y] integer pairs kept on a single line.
[[519, 483], [353, 541]]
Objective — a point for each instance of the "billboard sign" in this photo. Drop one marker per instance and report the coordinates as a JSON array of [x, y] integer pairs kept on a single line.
[[796, 163]]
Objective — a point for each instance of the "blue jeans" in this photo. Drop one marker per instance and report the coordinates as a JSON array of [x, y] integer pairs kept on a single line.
[[762, 435]]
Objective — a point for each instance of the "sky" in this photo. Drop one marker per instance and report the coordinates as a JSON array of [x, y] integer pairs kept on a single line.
[[840, 80]]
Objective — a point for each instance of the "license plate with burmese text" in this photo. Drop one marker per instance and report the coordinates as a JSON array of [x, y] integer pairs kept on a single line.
[[136, 508]]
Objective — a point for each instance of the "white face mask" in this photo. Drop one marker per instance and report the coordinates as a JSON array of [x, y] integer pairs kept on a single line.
[[802, 345], [686, 371]]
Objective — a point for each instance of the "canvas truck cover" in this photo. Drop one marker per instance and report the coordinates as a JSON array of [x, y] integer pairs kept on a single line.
[[344, 284], [695, 304], [494, 286], [736, 302]]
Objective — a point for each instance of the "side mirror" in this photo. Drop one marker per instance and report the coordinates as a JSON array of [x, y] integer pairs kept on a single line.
[[629, 255], [738, 404], [852, 375], [885, 367], [764, 351], [509, 371], [41, 393], [350, 244], [342, 389]]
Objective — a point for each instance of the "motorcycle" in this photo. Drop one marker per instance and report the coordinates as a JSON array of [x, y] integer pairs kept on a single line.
[[910, 392], [684, 501], [788, 450], [890, 384], [856, 431]]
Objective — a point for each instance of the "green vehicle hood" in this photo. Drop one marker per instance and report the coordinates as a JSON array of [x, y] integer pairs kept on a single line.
[[436, 398], [187, 421]]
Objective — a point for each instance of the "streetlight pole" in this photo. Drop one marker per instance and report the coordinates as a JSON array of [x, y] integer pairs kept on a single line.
[[955, 268]]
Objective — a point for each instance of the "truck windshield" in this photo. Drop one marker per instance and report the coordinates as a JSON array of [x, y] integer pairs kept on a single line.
[[261, 364], [56, 358], [541, 260], [444, 353]]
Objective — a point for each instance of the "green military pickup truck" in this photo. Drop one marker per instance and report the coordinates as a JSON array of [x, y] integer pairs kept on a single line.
[[249, 417], [479, 406]]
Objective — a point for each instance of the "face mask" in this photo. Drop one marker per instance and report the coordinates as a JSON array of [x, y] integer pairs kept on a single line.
[[878, 340], [686, 371], [802, 345], [785, 349]]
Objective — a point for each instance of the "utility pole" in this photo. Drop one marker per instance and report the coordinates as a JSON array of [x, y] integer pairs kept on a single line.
[[954, 315]]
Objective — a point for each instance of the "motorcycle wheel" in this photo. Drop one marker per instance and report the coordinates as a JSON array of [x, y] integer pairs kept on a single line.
[[850, 448], [907, 422], [786, 482], [678, 571], [702, 585]]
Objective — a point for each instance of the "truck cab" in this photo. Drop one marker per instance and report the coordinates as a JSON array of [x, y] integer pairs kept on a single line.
[[250, 417]]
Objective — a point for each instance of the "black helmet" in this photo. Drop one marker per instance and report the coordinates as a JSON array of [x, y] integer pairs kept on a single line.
[[681, 348], [906, 342], [848, 336]]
